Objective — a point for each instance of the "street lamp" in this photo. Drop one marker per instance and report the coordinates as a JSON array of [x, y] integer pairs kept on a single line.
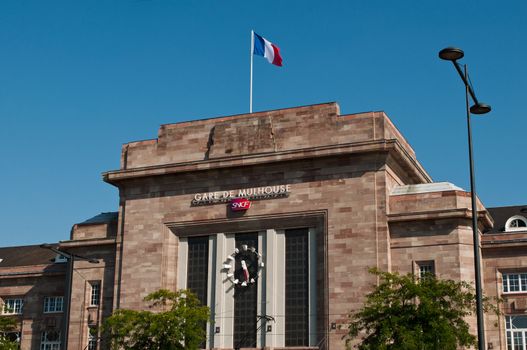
[[71, 261], [453, 54]]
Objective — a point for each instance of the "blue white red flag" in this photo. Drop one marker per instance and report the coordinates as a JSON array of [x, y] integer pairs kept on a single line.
[[265, 48]]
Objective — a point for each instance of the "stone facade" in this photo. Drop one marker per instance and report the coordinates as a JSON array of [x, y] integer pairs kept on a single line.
[[353, 181], [31, 283], [337, 168], [97, 241], [503, 253]]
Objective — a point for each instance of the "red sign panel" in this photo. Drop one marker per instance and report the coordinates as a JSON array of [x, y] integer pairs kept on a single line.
[[240, 204]]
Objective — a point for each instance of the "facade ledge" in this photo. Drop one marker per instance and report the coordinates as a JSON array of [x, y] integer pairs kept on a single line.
[[504, 243], [32, 271], [464, 213], [86, 242], [425, 188], [256, 222], [392, 145], [504, 240], [512, 295]]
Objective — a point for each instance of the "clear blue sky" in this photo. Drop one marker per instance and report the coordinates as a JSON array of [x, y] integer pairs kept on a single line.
[[80, 78]]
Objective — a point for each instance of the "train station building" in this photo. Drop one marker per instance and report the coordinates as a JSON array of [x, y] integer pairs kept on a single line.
[[273, 219]]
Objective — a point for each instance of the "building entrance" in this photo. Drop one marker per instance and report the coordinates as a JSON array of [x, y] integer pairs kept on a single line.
[[259, 285]]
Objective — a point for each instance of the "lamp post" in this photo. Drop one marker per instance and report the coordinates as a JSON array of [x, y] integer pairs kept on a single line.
[[453, 54], [69, 278]]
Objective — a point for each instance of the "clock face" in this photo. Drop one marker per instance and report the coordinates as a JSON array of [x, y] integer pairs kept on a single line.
[[244, 266]]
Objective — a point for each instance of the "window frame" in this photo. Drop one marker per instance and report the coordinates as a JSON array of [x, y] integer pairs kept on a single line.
[[511, 333], [92, 339], [18, 335], [522, 282], [95, 293], [271, 244], [198, 267], [245, 304], [297, 287], [419, 265], [197, 274], [46, 344], [55, 310], [508, 227], [5, 310]]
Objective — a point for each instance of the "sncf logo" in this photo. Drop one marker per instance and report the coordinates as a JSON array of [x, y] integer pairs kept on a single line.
[[240, 204]]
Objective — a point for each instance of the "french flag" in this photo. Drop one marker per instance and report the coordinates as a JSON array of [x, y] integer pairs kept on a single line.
[[265, 48]]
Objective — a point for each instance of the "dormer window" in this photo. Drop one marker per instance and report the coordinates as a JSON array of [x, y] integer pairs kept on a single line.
[[59, 259], [516, 223]]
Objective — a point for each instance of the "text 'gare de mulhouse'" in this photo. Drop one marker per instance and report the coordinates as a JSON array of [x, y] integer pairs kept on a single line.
[[266, 192]]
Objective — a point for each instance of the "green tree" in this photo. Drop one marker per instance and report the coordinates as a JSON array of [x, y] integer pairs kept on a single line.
[[7, 324], [403, 313], [177, 323]]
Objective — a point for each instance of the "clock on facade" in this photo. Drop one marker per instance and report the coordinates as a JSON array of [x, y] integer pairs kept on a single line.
[[244, 266]]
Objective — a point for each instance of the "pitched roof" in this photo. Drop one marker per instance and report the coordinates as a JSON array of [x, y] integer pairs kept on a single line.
[[102, 218], [25, 256], [502, 214]]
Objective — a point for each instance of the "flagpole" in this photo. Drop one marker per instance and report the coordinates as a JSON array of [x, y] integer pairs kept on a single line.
[[251, 86]]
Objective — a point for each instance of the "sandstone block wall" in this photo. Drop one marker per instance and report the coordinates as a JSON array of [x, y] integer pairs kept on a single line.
[[271, 131], [82, 314], [94, 231], [503, 253], [335, 165], [33, 284]]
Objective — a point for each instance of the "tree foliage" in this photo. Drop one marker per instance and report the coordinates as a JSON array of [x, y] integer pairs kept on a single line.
[[404, 313], [177, 323], [7, 325]]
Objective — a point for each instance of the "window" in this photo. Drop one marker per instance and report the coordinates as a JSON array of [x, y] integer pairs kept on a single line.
[[11, 336], [198, 267], [425, 268], [516, 223], [13, 306], [514, 282], [516, 328], [50, 340], [280, 270], [95, 293], [245, 299], [92, 339], [59, 259], [296, 288], [53, 304]]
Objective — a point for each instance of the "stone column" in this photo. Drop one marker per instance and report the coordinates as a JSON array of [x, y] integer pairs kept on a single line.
[[274, 277], [223, 315]]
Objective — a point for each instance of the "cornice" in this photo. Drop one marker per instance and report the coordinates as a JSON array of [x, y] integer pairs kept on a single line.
[[393, 146], [32, 271], [86, 242], [504, 240], [463, 213]]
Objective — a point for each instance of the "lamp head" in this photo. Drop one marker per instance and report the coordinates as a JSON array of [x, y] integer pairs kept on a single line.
[[46, 246], [451, 54], [480, 108]]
